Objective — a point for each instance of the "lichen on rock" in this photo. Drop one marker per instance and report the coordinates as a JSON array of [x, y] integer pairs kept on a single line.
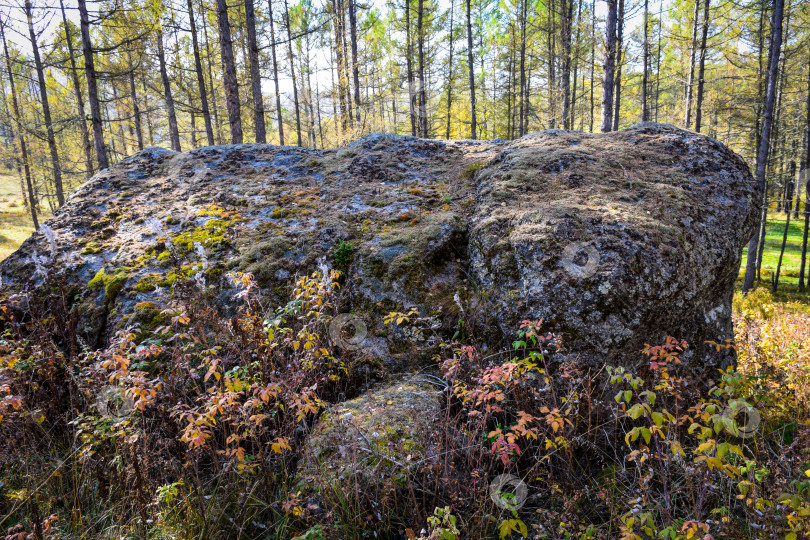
[[614, 240]]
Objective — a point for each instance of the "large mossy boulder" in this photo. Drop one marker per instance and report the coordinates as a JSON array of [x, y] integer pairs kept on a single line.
[[614, 240]]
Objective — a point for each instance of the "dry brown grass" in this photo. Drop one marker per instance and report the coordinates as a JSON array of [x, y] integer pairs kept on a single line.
[[15, 220]]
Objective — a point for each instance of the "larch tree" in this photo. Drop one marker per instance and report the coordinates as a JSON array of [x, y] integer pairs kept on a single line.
[[255, 74], [229, 78], [24, 155], [77, 89], [56, 166], [609, 69], [198, 71], [765, 137], [471, 73]]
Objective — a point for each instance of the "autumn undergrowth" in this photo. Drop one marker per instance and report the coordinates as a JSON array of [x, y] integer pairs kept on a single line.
[[194, 426]]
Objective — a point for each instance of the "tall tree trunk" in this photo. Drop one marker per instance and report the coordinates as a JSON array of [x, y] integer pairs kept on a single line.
[[524, 110], [318, 107], [687, 121], [619, 63], [46, 108], [275, 72], [528, 101], [450, 71], [209, 129], [575, 60], [764, 146], [420, 37], [593, 61], [255, 76], [77, 89], [645, 114], [798, 178], [340, 105], [229, 72], [702, 66], [552, 83], [483, 71], [92, 87], [409, 65], [11, 142], [305, 69], [610, 59], [658, 62], [805, 176], [355, 61], [471, 66], [133, 95], [174, 134], [776, 138], [567, 12], [787, 227], [26, 162], [209, 62], [292, 73], [347, 79], [510, 90], [149, 127]]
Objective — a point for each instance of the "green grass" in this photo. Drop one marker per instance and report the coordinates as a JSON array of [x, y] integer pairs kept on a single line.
[[15, 220], [789, 275]]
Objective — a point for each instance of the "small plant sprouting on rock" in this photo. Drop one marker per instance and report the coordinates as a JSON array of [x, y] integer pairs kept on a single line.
[[342, 255], [469, 172]]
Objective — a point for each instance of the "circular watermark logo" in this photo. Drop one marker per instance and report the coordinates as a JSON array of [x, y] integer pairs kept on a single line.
[[741, 419], [580, 259], [114, 403], [508, 491], [348, 331]]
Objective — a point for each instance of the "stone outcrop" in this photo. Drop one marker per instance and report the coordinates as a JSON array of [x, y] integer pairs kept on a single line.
[[614, 240]]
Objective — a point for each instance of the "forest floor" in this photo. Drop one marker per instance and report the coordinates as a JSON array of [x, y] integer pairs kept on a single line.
[[15, 220], [789, 274]]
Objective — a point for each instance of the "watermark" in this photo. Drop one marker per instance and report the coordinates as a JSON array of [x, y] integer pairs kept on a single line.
[[114, 403], [508, 492], [340, 334], [741, 419], [580, 259]]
